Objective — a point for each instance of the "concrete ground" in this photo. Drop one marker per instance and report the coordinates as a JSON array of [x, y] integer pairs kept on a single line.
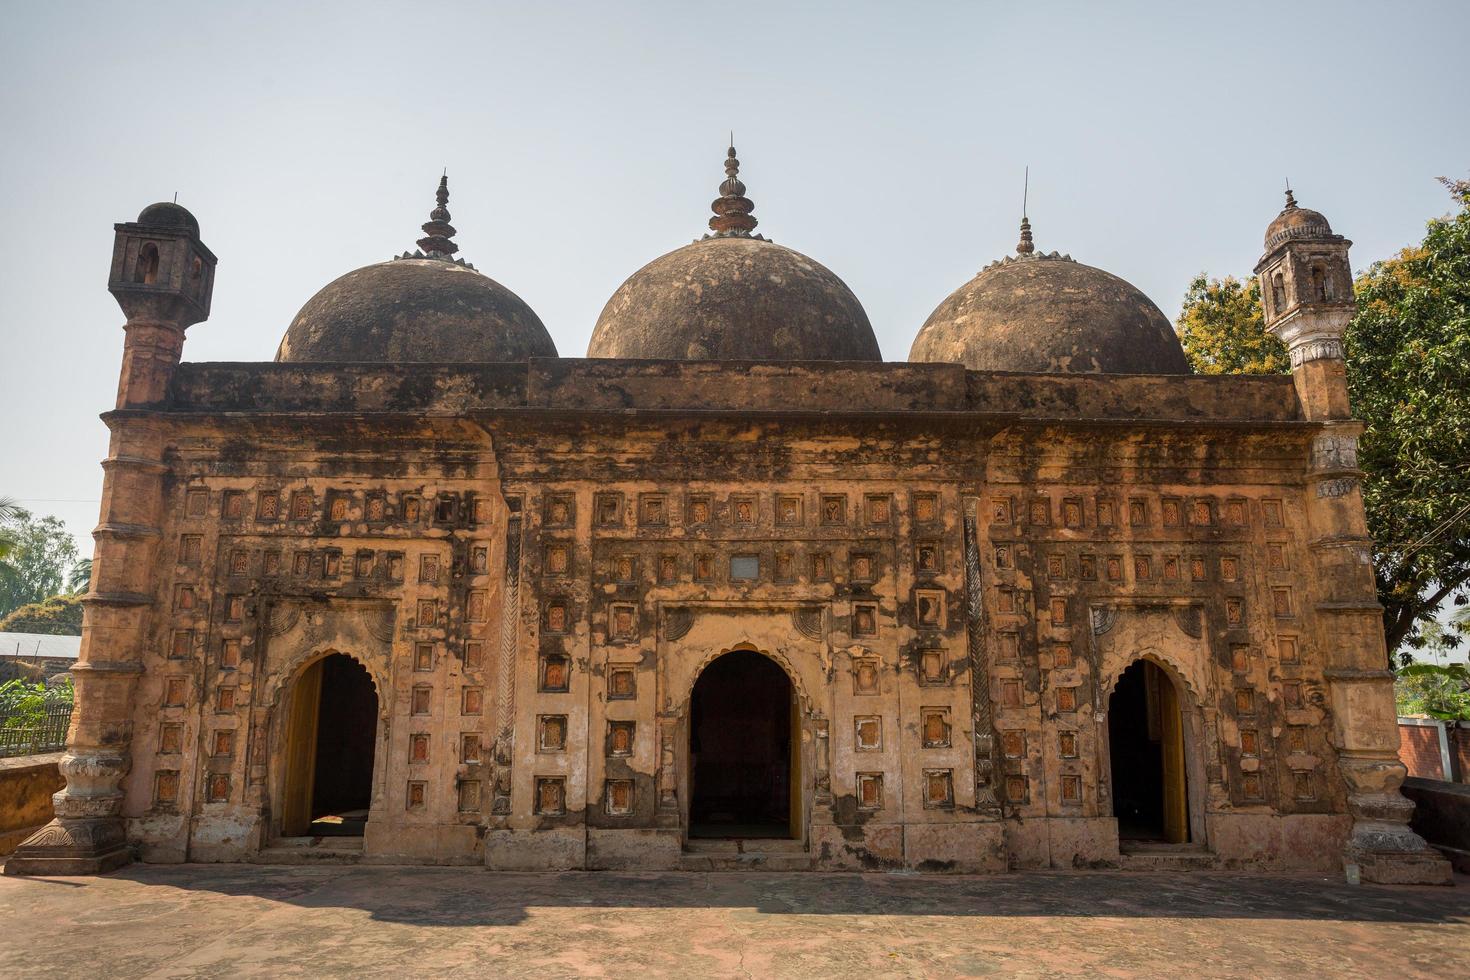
[[240, 920]]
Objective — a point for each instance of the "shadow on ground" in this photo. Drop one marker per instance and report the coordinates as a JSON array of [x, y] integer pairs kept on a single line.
[[450, 897]]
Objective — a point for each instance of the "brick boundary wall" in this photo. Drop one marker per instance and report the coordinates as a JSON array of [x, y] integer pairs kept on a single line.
[[1433, 749], [26, 785]]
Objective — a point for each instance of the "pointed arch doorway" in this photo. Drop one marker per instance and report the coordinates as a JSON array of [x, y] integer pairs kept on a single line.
[[331, 737], [744, 750], [1146, 732]]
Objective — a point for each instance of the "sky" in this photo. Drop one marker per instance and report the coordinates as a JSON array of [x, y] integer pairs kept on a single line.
[[886, 140]]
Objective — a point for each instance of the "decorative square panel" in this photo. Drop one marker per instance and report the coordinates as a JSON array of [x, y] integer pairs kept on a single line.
[[618, 797], [469, 795], [419, 700], [416, 795], [556, 617], [870, 790], [622, 684], [864, 620], [620, 738], [469, 748], [555, 673], [653, 510], [551, 733], [697, 510], [934, 728], [423, 656], [551, 795], [743, 509], [1071, 790], [929, 608], [170, 737], [834, 510], [558, 510], [788, 509], [933, 667], [865, 676], [876, 508], [196, 503], [938, 788], [607, 509], [926, 507], [1013, 744], [474, 654], [471, 700], [418, 747], [868, 733], [166, 787], [1067, 745]]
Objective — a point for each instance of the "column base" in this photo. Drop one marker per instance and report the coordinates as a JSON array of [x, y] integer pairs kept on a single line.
[[72, 847], [1426, 867]]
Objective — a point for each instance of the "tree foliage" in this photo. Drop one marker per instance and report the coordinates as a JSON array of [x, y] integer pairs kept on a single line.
[[24, 703], [1408, 359], [1223, 329], [40, 556], [60, 615], [1408, 367]]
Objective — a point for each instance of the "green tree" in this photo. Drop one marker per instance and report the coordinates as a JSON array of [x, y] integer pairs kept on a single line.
[[60, 615], [1408, 360], [79, 579], [1223, 331], [1408, 367], [36, 566]]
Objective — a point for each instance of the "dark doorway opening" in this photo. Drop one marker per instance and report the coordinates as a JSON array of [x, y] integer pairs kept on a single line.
[[1146, 740], [740, 749], [333, 735]]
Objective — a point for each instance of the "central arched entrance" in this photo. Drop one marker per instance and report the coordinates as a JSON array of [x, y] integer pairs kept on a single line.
[[330, 740], [1146, 749], [743, 754]]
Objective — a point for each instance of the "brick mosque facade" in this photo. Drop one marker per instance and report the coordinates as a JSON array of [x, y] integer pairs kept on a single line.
[[731, 591]]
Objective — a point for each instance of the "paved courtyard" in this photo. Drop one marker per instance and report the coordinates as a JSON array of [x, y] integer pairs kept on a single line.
[[233, 920]]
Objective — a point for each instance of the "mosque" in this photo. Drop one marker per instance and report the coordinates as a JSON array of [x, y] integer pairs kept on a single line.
[[731, 591]]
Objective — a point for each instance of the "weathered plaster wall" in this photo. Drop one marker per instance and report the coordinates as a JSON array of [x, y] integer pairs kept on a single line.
[[534, 565]]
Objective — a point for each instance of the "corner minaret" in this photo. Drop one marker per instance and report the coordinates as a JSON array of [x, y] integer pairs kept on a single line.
[[1307, 296], [162, 277]]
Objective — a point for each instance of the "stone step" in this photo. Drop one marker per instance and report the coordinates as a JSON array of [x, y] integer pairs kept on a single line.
[[1166, 857], [746, 861], [311, 850]]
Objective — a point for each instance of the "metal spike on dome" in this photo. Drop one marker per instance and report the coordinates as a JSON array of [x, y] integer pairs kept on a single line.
[[733, 217], [438, 232]]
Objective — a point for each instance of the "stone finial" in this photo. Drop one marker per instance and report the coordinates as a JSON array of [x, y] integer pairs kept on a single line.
[[1025, 245], [733, 217], [1290, 199], [438, 232]]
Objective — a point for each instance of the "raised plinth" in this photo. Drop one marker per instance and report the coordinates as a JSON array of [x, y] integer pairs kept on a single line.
[[72, 847]]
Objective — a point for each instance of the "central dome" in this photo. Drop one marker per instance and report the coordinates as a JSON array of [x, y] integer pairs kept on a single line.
[[422, 307], [1048, 314], [734, 296]]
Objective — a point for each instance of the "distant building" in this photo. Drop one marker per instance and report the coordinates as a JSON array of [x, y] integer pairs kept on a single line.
[[52, 654], [731, 591]]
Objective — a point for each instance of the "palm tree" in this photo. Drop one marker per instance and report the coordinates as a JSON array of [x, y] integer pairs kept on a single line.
[[10, 511], [80, 577]]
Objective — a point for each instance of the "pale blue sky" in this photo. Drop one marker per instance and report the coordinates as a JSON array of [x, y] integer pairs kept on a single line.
[[886, 140]]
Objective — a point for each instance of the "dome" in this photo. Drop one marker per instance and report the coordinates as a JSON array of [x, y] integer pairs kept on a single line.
[[421, 307], [166, 214], [734, 296], [1048, 313], [1296, 222]]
